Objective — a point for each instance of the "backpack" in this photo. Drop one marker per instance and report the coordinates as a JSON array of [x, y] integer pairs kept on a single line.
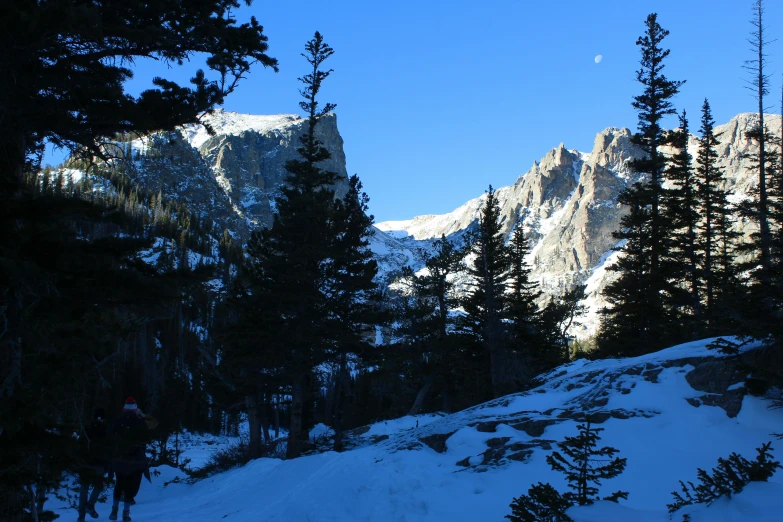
[[130, 436]]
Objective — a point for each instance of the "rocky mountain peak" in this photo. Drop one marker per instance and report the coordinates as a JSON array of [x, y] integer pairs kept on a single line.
[[612, 148], [554, 164]]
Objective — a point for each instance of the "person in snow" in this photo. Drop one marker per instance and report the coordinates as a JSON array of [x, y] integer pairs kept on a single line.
[[93, 449], [130, 434]]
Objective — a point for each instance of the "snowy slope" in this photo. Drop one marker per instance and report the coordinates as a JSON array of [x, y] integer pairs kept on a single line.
[[392, 254], [468, 466]]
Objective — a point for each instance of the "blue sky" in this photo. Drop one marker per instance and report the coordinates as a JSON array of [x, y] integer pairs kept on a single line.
[[438, 99]]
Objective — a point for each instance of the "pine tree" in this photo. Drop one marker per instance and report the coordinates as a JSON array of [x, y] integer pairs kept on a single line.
[[80, 310], [637, 319], [777, 242], [66, 82], [683, 265], [486, 302], [435, 291], [543, 503], [352, 292], [416, 336], [290, 264], [559, 315], [585, 465], [762, 306], [769, 322], [759, 85], [527, 337], [437, 282], [716, 237], [728, 478]]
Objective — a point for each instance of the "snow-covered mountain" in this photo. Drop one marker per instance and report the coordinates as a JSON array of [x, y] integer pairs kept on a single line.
[[568, 203], [668, 413]]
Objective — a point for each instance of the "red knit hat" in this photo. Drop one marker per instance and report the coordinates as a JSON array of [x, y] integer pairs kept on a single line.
[[130, 404]]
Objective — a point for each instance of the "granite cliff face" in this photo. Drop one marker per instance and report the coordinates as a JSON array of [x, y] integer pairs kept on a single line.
[[247, 156], [232, 177]]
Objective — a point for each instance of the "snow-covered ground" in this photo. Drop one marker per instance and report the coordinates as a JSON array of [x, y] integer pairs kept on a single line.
[[395, 473]]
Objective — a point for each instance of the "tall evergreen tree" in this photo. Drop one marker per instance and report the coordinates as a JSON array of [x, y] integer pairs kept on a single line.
[[351, 290], [637, 319], [527, 336], [436, 285], [415, 336], [716, 237], [768, 291], [759, 85], [486, 302], [81, 315], [682, 258], [762, 308], [709, 177], [290, 261]]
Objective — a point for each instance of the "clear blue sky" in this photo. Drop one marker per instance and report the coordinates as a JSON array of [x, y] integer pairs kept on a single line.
[[438, 99]]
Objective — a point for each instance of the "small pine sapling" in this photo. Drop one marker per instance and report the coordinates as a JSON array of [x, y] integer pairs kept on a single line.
[[585, 465], [728, 478], [543, 503]]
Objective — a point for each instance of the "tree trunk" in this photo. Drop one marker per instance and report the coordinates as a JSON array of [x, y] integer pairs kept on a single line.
[[341, 386], [251, 402], [448, 392], [764, 232], [40, 497], [33, 506], [502, 383], [265, 420], [12, 160], [294, 448], [423, 391], [277, 417]]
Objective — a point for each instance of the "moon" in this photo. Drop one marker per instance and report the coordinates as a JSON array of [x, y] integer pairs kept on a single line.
[[598, 58]]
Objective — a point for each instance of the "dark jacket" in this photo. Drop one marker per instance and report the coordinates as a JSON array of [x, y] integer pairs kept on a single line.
[[129, 434], [94, 452], [94, 444]]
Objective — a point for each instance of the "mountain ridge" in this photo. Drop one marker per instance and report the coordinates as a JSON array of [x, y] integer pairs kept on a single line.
[[566, 200], [570, 223]]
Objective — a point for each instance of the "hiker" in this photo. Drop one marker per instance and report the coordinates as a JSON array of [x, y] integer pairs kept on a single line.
[[93, 446], [129, 432]]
